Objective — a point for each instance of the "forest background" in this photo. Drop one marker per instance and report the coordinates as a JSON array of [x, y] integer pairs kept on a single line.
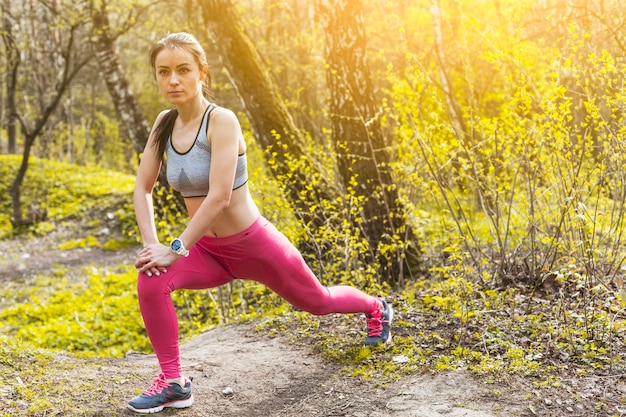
[[464, 157]]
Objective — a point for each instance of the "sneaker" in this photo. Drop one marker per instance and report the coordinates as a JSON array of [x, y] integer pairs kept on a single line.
[[162, 394], [378, 324]]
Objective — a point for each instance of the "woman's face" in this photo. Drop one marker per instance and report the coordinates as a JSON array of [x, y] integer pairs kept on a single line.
[[178, 75]]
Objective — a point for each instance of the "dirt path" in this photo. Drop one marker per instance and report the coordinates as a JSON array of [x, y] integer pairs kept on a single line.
[[269, 377]]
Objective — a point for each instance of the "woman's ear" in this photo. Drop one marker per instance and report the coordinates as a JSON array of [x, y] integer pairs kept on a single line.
[[204, 72]]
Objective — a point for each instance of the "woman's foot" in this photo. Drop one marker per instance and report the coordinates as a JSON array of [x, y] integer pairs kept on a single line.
[[162, 394], [378, 324]]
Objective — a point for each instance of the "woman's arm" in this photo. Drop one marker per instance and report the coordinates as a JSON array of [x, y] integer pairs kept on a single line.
[[225, 137], [147, 175]]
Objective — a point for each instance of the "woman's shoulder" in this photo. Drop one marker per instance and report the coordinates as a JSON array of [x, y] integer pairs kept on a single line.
[[223, 116], [222, 112]]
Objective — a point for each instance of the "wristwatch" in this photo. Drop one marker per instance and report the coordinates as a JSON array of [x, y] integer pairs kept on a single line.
[[178, 247]]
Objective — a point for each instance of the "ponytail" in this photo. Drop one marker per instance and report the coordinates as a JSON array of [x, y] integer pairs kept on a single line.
[[163, 131]]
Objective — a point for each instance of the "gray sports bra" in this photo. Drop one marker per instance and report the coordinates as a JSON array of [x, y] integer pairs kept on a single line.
[[188, 172]]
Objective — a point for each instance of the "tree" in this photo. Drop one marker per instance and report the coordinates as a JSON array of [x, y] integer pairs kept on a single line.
[[362, 152], [126, 105], [61, 51]]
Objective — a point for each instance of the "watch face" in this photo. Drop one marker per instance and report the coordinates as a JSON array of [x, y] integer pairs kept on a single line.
[[175, 244]]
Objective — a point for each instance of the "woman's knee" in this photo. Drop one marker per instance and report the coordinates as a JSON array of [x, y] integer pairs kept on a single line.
[[150, 287]]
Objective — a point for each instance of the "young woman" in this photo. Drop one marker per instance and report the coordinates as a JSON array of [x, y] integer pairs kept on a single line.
[[226, 238]]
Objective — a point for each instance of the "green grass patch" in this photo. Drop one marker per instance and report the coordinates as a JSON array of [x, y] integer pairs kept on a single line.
[[60, 190]]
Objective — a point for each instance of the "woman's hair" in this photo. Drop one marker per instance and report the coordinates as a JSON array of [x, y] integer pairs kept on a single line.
[[188, 43]]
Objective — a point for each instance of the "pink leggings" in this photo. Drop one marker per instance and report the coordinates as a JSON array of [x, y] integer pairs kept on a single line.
[[260, 253]]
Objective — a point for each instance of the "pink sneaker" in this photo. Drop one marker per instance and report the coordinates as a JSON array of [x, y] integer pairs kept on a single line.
[[378, 325]]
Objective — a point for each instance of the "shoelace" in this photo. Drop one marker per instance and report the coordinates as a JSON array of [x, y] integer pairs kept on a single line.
[[374, 326], [157, 386]]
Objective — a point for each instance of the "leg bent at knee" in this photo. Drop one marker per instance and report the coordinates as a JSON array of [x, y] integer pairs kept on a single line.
[[152, 287]]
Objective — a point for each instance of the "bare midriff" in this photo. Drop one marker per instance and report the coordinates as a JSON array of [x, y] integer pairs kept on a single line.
[[238, 216]]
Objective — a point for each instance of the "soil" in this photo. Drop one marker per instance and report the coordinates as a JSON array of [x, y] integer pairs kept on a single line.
[[239, 371]]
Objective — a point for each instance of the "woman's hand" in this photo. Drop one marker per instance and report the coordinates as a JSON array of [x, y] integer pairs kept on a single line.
[[154, 259]]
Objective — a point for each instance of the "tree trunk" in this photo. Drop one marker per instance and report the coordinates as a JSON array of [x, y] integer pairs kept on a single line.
[[358, 137], [271, 122], [12, 58], [126, 105]]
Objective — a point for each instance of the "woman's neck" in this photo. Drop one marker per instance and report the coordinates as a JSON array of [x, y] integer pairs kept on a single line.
[[192, 109]]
